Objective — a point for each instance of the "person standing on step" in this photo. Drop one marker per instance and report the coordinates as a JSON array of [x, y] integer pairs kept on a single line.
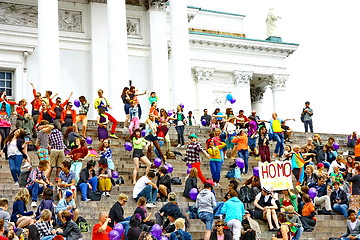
[[242, 149], [102, 102], [126, 100], [43, 143], [151, 131], [57, 155], [138, 141], [68, 118], [306, 114], [36, 104], [180, 122], [205, 203], [134, 117], [15, 152], [207, 117], [82, 116], [214, 148], [193, 155], [106, 152], [46, 113]]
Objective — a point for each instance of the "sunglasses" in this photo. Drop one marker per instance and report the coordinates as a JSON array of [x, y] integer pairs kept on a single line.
[[219, 225], [124, 200]]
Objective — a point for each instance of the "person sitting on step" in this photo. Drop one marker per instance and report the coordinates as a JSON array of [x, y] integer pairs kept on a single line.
[[144, 187]]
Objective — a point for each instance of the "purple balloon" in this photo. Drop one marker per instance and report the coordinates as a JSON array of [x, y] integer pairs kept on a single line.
[[240, 162], [203, 122], [170, 112], [170, 168], [156, 230], [193, 194], [120, 228], [256, 171], [143, 133], [115, 174], [77, 103], [312, 193], [181, 105], [163, 238], [188, 170], [336, 146], [114, 235], [157, 162], [232, 101], [89, 140], [128, 146]]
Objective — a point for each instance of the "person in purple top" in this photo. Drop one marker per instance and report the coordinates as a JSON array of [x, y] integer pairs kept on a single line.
[[252, 134]]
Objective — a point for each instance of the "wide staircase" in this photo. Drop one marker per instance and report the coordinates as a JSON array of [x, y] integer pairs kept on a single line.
[[327, 226]]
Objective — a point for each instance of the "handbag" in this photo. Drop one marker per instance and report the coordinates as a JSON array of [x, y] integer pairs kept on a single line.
[[170, 155], [175, 181]]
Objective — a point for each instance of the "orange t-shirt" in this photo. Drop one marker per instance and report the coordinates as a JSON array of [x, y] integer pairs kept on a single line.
[[307, 209], [96, 235], [242, 142], [357, 150]]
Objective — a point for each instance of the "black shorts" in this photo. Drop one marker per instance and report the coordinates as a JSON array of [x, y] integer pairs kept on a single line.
[[138, 153], [151, 138], [258, 214]]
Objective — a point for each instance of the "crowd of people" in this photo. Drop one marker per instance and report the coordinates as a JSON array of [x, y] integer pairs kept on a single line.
[[52, 128]]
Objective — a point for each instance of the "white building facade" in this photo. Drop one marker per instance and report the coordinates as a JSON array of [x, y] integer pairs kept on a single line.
[[185, 54]]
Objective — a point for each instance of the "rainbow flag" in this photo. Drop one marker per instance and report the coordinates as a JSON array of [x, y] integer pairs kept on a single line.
[[297, 161]]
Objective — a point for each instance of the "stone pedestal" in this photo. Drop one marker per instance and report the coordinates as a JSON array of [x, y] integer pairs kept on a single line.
[[277, 84], [242, 91], [159, 53], [48, 46]]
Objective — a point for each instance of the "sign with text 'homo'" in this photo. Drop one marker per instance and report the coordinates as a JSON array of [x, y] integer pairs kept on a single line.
[[276, 175]]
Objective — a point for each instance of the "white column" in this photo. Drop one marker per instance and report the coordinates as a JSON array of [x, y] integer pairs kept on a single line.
[[203, 78], [117, 55], [257, 94], [242, 91], [159, 53], [183, 85], [277, 84], [99, 54], [48, 45]]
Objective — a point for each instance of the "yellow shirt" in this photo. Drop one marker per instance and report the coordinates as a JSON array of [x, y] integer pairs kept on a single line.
[[276, 126], [215, 152]]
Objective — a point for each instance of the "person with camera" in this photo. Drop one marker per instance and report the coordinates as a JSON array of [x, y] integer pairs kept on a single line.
[[306, 117], [67, 204], [339, 200], [101, 229]]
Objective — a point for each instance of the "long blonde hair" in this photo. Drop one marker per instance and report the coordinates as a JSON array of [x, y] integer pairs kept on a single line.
[[23, 195]]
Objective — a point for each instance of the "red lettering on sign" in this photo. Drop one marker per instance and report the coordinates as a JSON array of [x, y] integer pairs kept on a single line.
[[264, 170], [287, 169], [272, 170]]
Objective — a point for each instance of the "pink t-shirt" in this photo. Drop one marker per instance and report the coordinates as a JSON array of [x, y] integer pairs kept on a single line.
[[220, 237]]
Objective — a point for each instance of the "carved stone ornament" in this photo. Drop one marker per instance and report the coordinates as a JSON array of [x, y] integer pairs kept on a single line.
[[133, 27], [130, 2], [204, 75], [27, 16], [278, 81], [242, 78], [257, 93], [159, 5]]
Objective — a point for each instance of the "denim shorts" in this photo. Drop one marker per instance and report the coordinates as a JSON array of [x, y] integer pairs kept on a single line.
[[207, 218]]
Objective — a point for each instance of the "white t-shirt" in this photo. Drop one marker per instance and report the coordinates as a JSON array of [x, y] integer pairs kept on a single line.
[[140, 185], [353, 224], [266, 198], [13, 149]]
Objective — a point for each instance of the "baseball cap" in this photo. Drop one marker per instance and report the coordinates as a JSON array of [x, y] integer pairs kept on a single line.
[[68, 194]]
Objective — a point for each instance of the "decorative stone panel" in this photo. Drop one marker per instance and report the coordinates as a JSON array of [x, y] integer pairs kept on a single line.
[[203, 74]]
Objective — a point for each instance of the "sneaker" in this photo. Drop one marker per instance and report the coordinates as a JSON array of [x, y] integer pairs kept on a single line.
[[16, 183], [275, 155], [182, 146], [113, 135], [87, 199], [34, 204], [219, 185], [104, 194], [178, 146], [149, 205], [107, 194], [153, 204]]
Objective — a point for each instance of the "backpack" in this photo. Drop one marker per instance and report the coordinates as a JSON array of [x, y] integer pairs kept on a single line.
[[193, 212], [83, 225], [94, 196], [170, 155], [246, 195], [23, 178], [234, 173]]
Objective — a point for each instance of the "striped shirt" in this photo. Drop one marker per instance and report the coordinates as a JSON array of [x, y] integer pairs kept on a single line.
[[193, 152]]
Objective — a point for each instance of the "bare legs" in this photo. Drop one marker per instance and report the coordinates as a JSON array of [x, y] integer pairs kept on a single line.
[[136, 166]]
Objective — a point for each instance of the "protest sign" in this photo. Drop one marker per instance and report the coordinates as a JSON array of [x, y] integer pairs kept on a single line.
[[276, 175]]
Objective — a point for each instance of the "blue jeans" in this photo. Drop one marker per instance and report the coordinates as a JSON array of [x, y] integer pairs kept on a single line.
[[217, 209], [346, 238], [49, 237], [279, 148], [244, 154], [84, 187], [341, 208], [207, 218], [126, 225], [15, 165], [215, 168], [298, 233], [76, 167], [149, 193], [308, 124], [35, 190]]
